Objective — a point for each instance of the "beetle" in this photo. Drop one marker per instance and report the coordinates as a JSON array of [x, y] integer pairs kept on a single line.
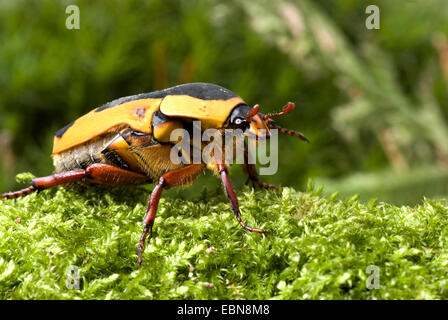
[[128, 142]]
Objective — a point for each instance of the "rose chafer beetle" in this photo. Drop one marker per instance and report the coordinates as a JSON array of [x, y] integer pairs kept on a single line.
[[128, 142]]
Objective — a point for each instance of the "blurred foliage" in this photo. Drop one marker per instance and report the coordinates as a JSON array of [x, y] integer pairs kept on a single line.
[[369, 100]]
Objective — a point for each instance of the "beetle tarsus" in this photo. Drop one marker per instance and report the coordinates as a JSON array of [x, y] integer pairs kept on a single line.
[[141, 245], [251, 171], [257, 182], [230, 193], [265, 185], [19, 193]]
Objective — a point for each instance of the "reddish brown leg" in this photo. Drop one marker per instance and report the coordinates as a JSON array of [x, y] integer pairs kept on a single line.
[[19, 193], [170, 179], [232, 197], [42, 183], [95, 173], [251, 171], [106, 174]]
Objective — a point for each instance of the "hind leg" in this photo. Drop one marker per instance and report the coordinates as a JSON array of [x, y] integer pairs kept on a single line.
[[42, 183], [96, 173]]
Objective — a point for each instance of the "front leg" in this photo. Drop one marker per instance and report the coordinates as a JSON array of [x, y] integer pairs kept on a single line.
[[251, 171], [223, 172]]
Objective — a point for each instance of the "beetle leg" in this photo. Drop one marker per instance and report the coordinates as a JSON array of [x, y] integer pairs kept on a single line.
[[42, 183], [101, 173], [251, 171], [173, 178], [96, 173], [253, 176], [230, 193]]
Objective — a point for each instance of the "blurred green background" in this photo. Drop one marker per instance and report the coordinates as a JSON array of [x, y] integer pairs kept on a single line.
[[374, 103]]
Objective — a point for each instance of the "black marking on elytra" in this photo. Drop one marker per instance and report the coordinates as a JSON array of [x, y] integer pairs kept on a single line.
[[159, 118], [61, 132], [200, 90]]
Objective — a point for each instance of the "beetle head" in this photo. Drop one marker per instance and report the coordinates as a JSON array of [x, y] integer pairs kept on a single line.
[[250, 121]]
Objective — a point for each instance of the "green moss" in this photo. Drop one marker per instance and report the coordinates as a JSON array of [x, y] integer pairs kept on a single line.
[[318, 247]]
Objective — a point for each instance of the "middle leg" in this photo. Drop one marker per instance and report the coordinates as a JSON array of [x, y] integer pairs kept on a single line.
[[170, 179]]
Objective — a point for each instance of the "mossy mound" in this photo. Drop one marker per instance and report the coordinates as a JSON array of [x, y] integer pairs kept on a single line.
[[317, 248]]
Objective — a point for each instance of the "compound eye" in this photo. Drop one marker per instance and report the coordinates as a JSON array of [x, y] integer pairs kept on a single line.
[[238, 121]]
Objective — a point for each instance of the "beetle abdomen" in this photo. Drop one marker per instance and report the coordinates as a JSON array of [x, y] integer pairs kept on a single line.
[[86, 154], [83, 155]]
